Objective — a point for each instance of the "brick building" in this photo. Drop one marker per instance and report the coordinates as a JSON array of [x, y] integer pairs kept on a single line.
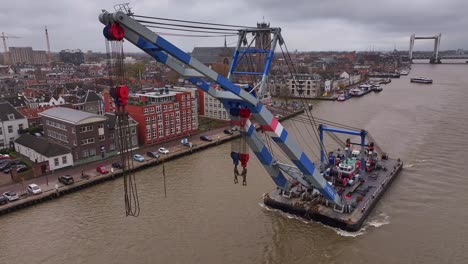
[[86, 134], [163, 114]]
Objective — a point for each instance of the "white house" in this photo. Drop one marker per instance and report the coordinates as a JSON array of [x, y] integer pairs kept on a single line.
[[214, 108], [11, 120], [344, 75], [39, 149], [309, 84]]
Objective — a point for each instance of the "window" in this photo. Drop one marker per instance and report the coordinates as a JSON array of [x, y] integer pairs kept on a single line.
[[148, 134], [2, 143], [56, 162], [111, 135], [86, 128], [147, 119], [10, 129], [87, 141], [64, 159], [20, 126], [1, 131], [145, 111], [112, 147], [92, 152], [153, 119], [85, 153], [102, 138], [11, 116], [101, 126], [133, 130]]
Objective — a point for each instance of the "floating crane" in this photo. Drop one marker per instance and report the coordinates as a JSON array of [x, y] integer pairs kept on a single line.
[[5, 47]]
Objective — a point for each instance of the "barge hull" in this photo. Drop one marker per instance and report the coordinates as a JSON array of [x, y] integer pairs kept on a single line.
[[349, 222]]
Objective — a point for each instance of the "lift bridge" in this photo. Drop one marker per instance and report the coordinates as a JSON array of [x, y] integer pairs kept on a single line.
[[435, 56], [238, 100]]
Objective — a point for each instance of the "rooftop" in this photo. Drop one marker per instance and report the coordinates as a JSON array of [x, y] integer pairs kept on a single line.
[[42, 146], [72, 116], [6, 110]]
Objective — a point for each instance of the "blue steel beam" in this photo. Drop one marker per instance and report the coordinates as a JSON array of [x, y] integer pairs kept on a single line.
[[260, 113]]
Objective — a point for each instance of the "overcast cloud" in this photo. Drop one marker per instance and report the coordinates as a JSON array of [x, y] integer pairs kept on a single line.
[[307, 25]]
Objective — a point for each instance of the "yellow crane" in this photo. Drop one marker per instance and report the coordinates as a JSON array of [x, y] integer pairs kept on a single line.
[[5, 48]]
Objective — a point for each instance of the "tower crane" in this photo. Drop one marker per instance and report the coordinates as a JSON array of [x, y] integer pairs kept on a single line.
[[243, 103], [5, 47]]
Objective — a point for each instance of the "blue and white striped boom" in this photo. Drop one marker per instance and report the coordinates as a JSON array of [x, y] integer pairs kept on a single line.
[[232, 96]]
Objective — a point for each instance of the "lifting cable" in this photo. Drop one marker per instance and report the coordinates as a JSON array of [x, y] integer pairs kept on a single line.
[[114, 36], [186, 26], [192, 22], [307, 112]]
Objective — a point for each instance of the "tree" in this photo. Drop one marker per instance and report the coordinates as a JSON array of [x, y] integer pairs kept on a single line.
[[135, 70]]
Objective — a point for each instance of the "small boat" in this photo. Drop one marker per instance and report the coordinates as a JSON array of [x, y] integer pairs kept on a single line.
[[376, 88], [341, 98], [404, 72], [421, 80]]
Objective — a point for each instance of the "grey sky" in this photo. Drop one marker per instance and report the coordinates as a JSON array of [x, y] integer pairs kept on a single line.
[[306, 24]]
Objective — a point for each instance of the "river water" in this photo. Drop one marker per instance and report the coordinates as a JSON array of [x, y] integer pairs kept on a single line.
[[207, 219]]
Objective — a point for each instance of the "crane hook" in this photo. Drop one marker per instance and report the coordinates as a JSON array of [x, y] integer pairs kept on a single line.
[[236, 173], [244, 176]]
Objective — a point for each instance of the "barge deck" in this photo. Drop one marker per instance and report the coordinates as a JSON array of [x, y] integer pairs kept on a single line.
[[360, 198]]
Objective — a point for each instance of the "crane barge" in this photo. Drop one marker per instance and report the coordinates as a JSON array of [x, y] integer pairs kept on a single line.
[[325, 194]]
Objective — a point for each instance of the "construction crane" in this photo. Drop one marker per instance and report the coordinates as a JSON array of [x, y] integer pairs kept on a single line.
[[241, 102], [5, 47]]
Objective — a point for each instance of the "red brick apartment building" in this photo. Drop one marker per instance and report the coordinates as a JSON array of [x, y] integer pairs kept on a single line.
[[162, 114]]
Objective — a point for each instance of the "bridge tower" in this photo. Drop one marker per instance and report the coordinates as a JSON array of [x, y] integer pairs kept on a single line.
[[435, 58]]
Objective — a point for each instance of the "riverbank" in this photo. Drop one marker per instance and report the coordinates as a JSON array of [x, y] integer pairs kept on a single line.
[[52, 189]]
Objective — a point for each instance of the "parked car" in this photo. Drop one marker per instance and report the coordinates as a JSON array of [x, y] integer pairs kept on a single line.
[[21, 168], [8, 164], [117, 165], [102, 169], [18, 168], [152, 154], [66, 179], [186, 142], [4, 156], [206, 138], [138, 157], [5, 165], [34, 189], [3, 200], [8, 169], [228, 132], [11, 196], [164, 151]]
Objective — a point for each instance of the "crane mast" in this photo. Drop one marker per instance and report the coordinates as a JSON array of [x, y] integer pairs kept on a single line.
[[234, 98]]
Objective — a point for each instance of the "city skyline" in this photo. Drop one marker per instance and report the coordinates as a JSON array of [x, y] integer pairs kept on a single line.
[[305, 26]]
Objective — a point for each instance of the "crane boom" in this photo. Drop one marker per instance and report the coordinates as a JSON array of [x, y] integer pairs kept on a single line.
[[232, 96], [5, 47]]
